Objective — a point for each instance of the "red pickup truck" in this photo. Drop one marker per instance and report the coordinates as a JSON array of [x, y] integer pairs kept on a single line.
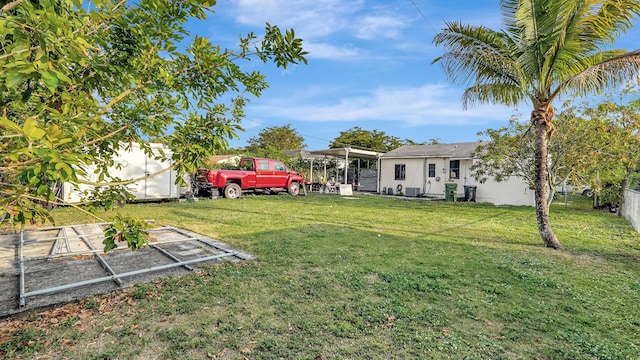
[[255, 174]]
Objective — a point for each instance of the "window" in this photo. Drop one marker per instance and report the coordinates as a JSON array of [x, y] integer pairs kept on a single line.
[[246, 164], [263, 164], [432, 170], [401, 170], [278, 166], [454, 169]]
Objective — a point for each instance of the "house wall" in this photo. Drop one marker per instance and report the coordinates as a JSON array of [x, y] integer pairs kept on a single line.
[[414, 174], [417, 175], [513, 191]]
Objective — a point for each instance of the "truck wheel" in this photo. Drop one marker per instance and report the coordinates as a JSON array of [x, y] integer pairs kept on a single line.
[[294, 188], [232, 191]]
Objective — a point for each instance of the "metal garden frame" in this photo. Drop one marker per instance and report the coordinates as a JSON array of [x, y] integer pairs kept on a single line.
[[113, 275]]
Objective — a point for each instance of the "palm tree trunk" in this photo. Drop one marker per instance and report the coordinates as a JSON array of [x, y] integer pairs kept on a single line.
[[538, 117]]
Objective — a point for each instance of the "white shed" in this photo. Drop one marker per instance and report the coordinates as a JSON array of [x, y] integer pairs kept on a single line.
[[134, 163]]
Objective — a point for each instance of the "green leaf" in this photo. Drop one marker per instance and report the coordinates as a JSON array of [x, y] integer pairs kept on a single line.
[[62, 76], [32, 131], [11, 125], [42, 189], [14, 78], [50, 79], [33, 180]]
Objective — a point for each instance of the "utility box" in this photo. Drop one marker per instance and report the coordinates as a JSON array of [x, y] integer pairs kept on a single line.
[[412, 192], [450, 191]]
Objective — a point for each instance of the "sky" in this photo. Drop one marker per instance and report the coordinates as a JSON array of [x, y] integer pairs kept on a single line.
[[369, 65]]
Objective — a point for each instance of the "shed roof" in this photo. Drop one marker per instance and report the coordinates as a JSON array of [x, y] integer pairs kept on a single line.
[[350, 152], [455, 150]]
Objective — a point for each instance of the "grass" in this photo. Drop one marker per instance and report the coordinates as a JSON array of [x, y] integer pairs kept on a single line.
[[368, 278]]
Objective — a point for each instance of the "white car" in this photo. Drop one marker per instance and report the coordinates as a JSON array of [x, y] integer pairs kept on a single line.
[[569, 189]]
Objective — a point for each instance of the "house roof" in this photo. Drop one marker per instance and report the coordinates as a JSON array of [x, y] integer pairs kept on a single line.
[[305, 154], [455, 150]]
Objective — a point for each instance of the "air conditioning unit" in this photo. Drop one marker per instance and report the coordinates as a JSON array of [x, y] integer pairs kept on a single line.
[[389, 191], [384, 190], [412, 192]]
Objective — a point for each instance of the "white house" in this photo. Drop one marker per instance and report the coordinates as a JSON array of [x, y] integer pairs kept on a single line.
[[425, 169]]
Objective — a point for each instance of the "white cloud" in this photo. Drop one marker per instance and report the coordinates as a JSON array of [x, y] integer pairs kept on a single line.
[[374, 27], [431, 104], [320, 22], [251, 123], [311, 18], [328, 51]]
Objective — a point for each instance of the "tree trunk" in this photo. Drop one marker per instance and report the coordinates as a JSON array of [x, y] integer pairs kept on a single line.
[[540, 118]]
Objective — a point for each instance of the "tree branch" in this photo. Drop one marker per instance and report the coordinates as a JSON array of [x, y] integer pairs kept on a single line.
[[12, 5]]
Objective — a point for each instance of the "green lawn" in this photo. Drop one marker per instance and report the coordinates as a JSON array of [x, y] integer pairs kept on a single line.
[[369, 278]]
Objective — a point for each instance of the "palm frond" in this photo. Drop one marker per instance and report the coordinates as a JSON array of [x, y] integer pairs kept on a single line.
[[564, 42], [616, 67], [475, 54], [608, 19], [547, 47], [587, 26], [493, 93]]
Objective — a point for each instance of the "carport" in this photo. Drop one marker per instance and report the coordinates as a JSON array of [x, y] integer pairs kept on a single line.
[[349, 154]]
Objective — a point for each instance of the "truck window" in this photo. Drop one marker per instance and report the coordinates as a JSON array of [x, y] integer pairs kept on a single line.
[[278, 166], [247, 164], [263, 164]]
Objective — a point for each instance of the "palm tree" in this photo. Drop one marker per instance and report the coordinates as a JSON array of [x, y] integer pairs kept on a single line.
[[548, 48]]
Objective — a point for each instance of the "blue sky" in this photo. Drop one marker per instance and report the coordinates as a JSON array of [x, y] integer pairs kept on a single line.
[[369, 66]]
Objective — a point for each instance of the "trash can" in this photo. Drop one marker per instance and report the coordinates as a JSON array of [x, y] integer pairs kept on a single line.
[[450, 191], [470, 193]]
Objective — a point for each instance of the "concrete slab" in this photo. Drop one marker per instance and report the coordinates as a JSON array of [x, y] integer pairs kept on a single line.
[[62, 257]]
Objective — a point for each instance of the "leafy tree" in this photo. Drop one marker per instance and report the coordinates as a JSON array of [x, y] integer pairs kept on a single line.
[[276, 139], [614, 160], [546, 49], [268, 152], [374, 140], [592, 145], [80, 81], [231, 151], [509, 151]]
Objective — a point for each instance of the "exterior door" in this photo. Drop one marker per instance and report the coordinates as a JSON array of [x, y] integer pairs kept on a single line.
[[162, 185], [280, 174], [264, 173]]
